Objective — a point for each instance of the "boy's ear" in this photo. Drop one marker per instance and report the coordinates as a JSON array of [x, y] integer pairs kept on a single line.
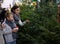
[[7, 17]]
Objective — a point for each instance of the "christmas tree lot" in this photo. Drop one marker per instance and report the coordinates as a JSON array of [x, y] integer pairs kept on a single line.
[[43, 27]]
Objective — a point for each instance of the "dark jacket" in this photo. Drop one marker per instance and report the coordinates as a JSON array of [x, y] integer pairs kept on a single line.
[[18, 20]]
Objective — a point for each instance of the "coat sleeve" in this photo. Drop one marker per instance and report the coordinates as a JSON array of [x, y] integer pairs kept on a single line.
[[21, 23], [7, 30]]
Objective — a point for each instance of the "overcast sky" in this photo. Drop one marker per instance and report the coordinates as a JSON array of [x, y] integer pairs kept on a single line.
[[6, 3]]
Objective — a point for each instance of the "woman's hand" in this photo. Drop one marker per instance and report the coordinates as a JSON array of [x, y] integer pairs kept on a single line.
[[27, 21]]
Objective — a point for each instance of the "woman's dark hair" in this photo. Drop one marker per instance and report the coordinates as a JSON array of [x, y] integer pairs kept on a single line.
[[13, 8]]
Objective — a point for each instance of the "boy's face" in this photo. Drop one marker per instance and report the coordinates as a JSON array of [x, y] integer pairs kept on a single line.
[[17, 11], [10, 17]]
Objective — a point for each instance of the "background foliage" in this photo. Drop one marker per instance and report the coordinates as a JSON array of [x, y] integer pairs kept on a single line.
[[43, 27]]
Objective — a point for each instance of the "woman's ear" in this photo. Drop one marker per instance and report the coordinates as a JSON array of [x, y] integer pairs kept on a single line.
[[14, 11]]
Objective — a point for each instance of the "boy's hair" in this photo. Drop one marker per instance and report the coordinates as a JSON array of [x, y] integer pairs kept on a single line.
[[8, 14]]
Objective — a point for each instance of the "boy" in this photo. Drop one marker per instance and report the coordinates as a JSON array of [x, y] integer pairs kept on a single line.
[[10, 29]]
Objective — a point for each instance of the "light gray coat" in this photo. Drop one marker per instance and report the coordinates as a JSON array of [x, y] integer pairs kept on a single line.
[[7, 31], [1, 36]]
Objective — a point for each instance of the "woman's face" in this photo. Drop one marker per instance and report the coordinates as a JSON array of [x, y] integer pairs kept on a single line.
[[17, 11]]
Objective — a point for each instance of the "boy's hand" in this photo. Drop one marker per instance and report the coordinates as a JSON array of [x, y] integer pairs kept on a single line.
[[15, 30]]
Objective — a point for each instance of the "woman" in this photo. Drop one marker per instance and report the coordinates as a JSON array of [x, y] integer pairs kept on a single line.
[[16, 10]]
